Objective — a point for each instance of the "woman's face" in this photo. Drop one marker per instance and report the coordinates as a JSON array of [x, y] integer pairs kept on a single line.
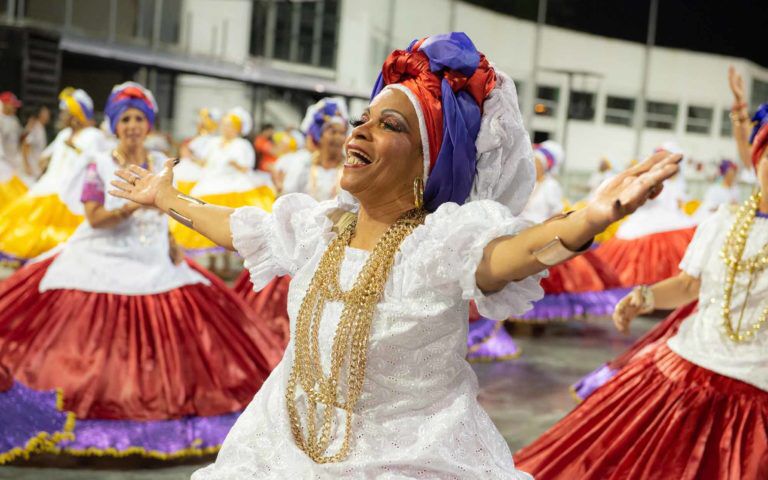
[[332, 140], [132, 128], [384, 153], [228, 128]]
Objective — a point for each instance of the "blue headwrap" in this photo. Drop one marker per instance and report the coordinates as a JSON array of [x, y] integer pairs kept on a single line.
[[130, 95], [320, 114]]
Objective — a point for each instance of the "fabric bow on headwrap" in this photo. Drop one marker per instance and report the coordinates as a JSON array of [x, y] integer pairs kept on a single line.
[[759, 137], [322, 113], [447, 80], [77, 103], [130, 95]]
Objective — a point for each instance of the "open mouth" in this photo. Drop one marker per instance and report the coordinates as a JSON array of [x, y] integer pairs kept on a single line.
[[356, 158]]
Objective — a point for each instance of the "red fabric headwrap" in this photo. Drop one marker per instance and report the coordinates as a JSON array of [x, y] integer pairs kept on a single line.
[[411, 69], [759, 144]]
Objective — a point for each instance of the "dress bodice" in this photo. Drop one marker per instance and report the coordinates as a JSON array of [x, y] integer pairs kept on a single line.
[[702, 338]]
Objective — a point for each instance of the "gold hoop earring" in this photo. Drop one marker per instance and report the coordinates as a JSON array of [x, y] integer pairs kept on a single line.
[[418, 192]]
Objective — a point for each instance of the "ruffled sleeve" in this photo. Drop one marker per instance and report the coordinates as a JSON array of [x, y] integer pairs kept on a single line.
[[281, 242], [450, 248], [705, 242]]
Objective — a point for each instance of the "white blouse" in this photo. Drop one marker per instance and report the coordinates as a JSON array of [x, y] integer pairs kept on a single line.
[[701, 338], [546, 200], [418, 416], [219, 176], [66, 169], [131, 258]]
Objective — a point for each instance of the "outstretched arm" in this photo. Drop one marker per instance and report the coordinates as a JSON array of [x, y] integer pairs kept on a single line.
[[156, 190], [512, 258]]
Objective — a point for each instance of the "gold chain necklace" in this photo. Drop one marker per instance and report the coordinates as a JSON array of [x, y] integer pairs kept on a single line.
[[732, 253], [324, 394]]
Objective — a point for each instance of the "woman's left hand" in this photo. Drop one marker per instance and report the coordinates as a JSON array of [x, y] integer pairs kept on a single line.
[[628, 191]]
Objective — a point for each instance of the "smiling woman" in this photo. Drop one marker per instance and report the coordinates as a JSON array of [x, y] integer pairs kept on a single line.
[[374, 382]]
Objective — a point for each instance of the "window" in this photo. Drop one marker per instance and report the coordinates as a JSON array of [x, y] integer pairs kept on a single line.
[[619, 110], [44, 11], [759, 93], [699, 120], [547, 99], [660, 115], [726, 129], [301, 32], [581, 105]]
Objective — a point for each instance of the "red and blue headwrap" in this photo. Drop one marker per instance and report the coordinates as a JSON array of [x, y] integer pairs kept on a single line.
[[726, 165], [450, 80], [759, 137], [322, 113], [130, 95]]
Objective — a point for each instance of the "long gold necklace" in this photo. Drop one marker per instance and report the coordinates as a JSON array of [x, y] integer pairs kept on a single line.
[[349, 350], [732, 253]]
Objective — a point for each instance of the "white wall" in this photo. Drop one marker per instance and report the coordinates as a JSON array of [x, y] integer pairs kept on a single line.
[[219, 28], [676, 76]]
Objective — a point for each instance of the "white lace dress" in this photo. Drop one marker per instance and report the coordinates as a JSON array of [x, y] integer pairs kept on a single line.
[[418, 416]]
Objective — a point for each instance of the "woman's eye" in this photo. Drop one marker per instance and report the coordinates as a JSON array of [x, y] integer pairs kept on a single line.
[[356, 122], [389, 125]]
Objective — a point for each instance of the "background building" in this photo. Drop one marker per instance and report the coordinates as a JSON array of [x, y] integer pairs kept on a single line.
[[601, 92]]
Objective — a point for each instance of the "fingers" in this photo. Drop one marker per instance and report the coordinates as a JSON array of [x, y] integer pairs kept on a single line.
[[123, 186], [126, 175], [171, 162], [120, 193], [138, 171]]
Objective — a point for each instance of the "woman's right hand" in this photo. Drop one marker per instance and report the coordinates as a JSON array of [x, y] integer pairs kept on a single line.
[[142, 186], [629, 307], [737, 85]]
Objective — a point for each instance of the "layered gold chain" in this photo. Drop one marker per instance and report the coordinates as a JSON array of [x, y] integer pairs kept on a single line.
[[323, 395], [732, 254]]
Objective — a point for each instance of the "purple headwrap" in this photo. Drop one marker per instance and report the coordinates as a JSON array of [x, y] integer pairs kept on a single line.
[[130, 95]]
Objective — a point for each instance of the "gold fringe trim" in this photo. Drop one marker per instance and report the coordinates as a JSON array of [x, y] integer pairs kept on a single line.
[[113, 452], [574, 395], [44, 441]]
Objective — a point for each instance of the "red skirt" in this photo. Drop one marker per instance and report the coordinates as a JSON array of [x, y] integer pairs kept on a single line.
[[648, 259], [584, 273], [195, 350], [661, 417], [270, 303]]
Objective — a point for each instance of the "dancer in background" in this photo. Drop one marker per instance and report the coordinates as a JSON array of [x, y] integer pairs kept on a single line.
[[12, 176], [663, 331], [51, 210], [153, 354], [227, 178], [725, 191], [194, 151], [34, 142], [649, 244], [696, 405]]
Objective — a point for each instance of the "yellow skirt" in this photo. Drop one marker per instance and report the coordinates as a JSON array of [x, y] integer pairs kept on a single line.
[[10, 190], [33, 225], [185, 187], [189, 239]]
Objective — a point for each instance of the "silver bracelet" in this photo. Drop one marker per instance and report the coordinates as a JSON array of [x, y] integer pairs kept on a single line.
[[186, 221]]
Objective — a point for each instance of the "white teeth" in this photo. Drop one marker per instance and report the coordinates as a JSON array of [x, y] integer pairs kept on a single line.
[[357, 158]]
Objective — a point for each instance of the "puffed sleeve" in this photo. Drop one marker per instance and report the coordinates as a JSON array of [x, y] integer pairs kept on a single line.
[[450, 248], [705, 241], [245, 156], [281, 242]]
